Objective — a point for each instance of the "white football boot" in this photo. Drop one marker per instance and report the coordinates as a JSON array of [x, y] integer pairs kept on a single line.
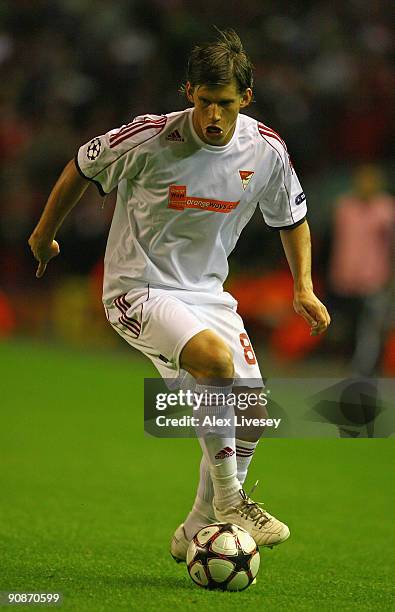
[[179, 545], [262, 526]]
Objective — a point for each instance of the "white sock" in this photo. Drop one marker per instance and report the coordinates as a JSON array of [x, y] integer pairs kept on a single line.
[[202, 512], [244, 453], [218, 443]]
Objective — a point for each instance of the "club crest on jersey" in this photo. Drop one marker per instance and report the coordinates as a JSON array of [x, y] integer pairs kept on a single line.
[[93, 149], [175, 136], [245, 176]]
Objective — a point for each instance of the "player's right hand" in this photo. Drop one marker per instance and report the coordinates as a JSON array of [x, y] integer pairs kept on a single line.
[[43, 251]]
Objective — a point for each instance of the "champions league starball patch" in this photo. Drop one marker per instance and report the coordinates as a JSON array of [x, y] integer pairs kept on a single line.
[[93, 149]]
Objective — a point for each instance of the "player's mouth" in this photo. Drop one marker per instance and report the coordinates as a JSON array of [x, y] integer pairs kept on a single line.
[[214, 131]]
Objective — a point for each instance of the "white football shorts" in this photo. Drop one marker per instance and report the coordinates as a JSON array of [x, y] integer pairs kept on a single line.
[[159, 323]]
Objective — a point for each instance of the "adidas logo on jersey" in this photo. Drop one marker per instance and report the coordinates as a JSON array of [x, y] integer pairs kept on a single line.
[[225, 452], [175, 136], [245, 176]]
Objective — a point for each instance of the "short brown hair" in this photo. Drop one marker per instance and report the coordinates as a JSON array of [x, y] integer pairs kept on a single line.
[[218, 62]]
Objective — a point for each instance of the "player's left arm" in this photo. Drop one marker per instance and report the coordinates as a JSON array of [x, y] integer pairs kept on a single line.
[[297, 246]]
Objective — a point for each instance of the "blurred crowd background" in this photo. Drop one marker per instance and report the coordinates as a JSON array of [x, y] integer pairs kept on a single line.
[[324, 79]]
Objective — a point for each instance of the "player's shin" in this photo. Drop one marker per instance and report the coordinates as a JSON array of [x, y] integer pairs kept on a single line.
[[247, 436], [244, 454], [215, 415], [202, 512]]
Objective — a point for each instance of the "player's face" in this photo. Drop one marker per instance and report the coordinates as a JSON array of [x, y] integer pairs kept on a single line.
[[216, 110]]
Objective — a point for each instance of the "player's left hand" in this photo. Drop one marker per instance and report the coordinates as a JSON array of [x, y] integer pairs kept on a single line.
[[308, 306]]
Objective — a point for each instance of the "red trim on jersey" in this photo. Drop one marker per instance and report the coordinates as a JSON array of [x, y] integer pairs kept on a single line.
[[137, 122], [136, 130], [123, 129], [269, 131], [265, 131], [272, 135], [133, 124]]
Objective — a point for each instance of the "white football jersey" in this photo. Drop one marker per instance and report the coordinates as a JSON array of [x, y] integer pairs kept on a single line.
[[182, 203]]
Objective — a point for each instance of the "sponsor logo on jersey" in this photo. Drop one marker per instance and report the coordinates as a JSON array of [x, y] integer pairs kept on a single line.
[[179, 200], [246, 176], [177, 196], [225, 452], [300, 198], [175, 136], [93, 149]]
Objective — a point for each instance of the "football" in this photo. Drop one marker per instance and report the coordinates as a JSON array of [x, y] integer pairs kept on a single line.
[[223, 556]]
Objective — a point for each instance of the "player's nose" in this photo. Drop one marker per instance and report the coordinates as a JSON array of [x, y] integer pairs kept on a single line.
[[214, 113]]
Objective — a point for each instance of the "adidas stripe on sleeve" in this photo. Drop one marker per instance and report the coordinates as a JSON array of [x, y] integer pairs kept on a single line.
[[283, 202], [109, 158]]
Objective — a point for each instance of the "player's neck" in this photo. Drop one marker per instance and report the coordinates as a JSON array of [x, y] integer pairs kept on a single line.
[[199, 132]]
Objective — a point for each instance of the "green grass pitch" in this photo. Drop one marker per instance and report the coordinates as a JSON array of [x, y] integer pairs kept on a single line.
[[88, 503]]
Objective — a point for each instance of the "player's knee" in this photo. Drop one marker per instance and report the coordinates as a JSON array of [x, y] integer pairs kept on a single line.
[[220, 363], [207, 356]]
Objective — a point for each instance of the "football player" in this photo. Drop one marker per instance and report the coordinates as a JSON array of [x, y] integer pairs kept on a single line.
[[187, 184]]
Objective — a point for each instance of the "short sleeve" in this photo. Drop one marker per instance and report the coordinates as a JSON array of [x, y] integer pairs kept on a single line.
[[283, 202], [118, 154]]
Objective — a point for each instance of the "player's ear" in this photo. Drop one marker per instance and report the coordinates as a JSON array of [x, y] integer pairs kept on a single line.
[[189, 91], [246, 98]]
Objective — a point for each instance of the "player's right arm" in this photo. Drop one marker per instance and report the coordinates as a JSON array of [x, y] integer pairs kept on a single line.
[[105, 160], [67, 191]]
